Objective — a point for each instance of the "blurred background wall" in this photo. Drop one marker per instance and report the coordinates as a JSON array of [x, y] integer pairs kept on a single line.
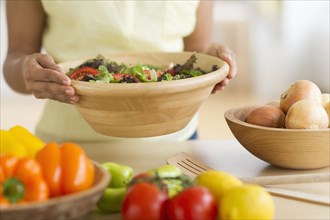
[[276, 42]]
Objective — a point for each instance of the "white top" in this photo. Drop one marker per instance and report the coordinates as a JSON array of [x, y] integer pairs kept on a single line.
[[80, 29]]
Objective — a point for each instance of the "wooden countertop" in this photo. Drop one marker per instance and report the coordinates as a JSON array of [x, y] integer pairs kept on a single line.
[[226, 155]]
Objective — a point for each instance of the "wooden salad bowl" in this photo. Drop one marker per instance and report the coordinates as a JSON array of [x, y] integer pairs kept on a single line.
[[67, 207], [287, 148], [147, 109]]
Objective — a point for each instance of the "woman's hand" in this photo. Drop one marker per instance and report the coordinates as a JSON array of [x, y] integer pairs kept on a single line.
[[46, 80], [226, 54]]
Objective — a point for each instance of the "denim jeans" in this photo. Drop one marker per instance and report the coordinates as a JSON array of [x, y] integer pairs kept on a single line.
[[194, 136]]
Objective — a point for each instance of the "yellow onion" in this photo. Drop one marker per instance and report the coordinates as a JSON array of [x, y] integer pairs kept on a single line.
[[327, 109], [275, 103], [306, 114], [267, 115], [325, 98], [299, 90]]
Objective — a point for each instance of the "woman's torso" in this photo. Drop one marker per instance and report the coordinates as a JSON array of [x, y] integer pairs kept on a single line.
[[80, 29]]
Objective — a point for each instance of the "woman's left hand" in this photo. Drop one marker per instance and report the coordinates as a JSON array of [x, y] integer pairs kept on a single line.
[[226, 54]]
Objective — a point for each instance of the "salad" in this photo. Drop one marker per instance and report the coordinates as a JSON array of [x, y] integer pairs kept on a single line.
[[104, 70]]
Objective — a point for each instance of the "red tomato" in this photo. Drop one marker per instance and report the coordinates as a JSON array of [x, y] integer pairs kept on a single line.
[[193, 203], [143, 201], [79, 73], [123, 77], [147, 72]]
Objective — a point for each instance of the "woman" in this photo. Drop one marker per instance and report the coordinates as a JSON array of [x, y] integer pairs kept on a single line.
[[44, 33]]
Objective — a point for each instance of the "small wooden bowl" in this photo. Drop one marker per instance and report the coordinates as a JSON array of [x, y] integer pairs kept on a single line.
[[147, 109], [67, 207], [287, 148]]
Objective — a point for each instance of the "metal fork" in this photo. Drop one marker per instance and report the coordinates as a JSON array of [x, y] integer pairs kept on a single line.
[[192, 167]]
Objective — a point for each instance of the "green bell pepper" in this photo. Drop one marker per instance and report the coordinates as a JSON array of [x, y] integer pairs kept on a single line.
[[113, 195], [166, 171], [121, 175], [111, 200]]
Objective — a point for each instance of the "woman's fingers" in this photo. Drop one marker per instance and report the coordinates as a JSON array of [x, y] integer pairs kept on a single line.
[[47, 62], [45, 79], [47, 75], [62, 93], [220, 86], [226, 54]]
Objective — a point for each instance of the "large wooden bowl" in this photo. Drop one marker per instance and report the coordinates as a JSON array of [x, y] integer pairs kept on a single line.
[[287, 148], [68, 207], [147, 109]]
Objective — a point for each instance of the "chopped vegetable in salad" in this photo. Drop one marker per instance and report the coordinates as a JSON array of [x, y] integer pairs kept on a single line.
[[103, 70]]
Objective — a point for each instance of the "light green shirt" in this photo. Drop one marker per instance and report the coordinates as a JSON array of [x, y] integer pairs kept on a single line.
[[80, 29]]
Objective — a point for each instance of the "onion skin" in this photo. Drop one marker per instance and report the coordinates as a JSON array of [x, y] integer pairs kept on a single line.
[[299, 90], [267, 116], [306, 114], [275, 103], [325, 98], [327, 109]]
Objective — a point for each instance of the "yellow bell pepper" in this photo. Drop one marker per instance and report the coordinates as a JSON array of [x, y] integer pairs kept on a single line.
[[10, 145], [19, 142]]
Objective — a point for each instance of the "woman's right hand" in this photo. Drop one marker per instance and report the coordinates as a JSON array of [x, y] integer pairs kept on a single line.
[[46, 80], [26, 70]]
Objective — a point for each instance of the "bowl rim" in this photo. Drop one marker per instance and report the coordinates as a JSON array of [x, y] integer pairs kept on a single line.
[[230, 115], [58, 200], [172, 86]]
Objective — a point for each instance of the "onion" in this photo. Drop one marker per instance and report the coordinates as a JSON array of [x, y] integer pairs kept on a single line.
[[267, 115], [325, 98], [299, 90], [307, 114], [275, 103], [327, 109]]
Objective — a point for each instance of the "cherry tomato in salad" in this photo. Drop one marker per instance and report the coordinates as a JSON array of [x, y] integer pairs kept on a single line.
[[193, 203], [144, 201], [123, 77], [79, 73], [147, 72]]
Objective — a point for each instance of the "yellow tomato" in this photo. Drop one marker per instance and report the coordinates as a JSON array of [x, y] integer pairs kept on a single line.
[[217, 182], [246, 202]]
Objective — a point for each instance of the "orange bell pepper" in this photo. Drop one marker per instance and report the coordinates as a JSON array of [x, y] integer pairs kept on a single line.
[[21, 180], [66, 168]]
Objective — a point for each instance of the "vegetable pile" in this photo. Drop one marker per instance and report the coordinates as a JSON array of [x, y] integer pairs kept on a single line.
[[32, 171], [301, 106], [103, 70], [166, 193]]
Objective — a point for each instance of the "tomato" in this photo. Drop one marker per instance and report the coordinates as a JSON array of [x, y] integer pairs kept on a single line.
[[171, 71], [123, 77], [147, 72], [142, 201], [79, 73], [195, 202]]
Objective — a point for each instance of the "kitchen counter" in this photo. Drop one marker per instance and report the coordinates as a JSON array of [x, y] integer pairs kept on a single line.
[[227, 155]]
